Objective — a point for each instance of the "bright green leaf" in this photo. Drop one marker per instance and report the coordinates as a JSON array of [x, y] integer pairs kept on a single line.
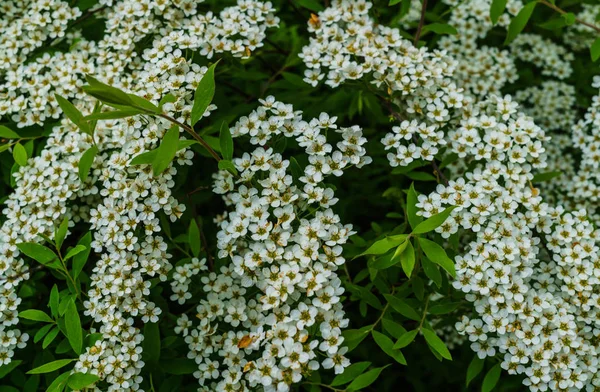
[[518, 23], [73, 114], [433, 222], [37, 252], [166, 151], [82, 380], [497, 9], [73, 327], [204, 94], [86, 161], [20, 154], [80, 258], [350, 373], [491, 378], [440, 28], [51, 366], [35, 315], [365, 379], [438, 255], [7, 133], [436, 343], [226, 142]]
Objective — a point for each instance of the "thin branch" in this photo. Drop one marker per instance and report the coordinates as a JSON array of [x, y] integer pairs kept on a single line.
[[561, 11], [421, 23], [191, 131]]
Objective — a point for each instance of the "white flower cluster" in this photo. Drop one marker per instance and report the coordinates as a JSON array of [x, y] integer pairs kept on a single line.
[[122, 202], [579, 36], [481, 70], [552, 59], [26, 24], [551, 104], [30, 87], [267, 313]]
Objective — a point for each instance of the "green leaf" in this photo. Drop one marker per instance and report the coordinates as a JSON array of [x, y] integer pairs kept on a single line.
[[226, 142], [59, 382], [6, 133], [81, 380], [436, 343], [540, 177], [438, 255], [75, 251], [145, 158], [440, 28], [402, 307], [353, 337], [497, 9], [20, 154], [53, 302], [350, 373], [81, 258], [151, 343], [6, 369], [387, 345], [166, 151], [595, 50], [35, 315], [444, 308], [73, 114], [411, 207], [393, 2], [144, 105], [73, 327], [178, 366], [61, 232], [204, 94], [113, 114], [569, 18], [518, 23], [227, 165], [37, 252], [475, 367], [491, 378], [365, 379], [51, 366], [86, 161], [42, 332], [107, 94], [406, 339], [169, 98], [407, 259], [194, 238], [312, 5], [50, 337], [433, 222], [382, 246], [390, 259]]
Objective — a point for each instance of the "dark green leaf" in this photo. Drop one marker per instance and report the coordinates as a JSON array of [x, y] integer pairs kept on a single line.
[[595, 50], [81, 258], [365, 379], [540, 177], [194, 238], [113, 114], [86, 161], [406, 338], [73, 327], [81, 380], [227, 165], [6, 369], [61, 232], [387, 345], [491, 378], [411, 207], [350, 373], [440, 28], [518, 23], [226, 142], [73, 114], [151, 343], [475, 367], [402, 307], [497, 9], [436, 343], [50, 337]]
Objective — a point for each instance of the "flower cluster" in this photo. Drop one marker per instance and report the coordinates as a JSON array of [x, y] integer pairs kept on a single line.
[[552, 59], [265, 315]]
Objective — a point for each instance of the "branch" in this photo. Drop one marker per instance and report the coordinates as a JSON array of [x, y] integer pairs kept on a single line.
[[561, 11], [421, 23]]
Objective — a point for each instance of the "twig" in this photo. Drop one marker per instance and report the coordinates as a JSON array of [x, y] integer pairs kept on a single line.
[[421, 23], [561, 11], [191, 131]]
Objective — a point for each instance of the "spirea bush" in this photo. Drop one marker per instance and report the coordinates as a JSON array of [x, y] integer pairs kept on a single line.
[[299, 195]]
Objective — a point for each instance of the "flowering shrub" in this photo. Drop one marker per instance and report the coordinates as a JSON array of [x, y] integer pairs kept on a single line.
[[307, 195]]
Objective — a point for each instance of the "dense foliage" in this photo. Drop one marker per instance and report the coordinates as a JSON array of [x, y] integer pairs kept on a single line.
[[304, 195]]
